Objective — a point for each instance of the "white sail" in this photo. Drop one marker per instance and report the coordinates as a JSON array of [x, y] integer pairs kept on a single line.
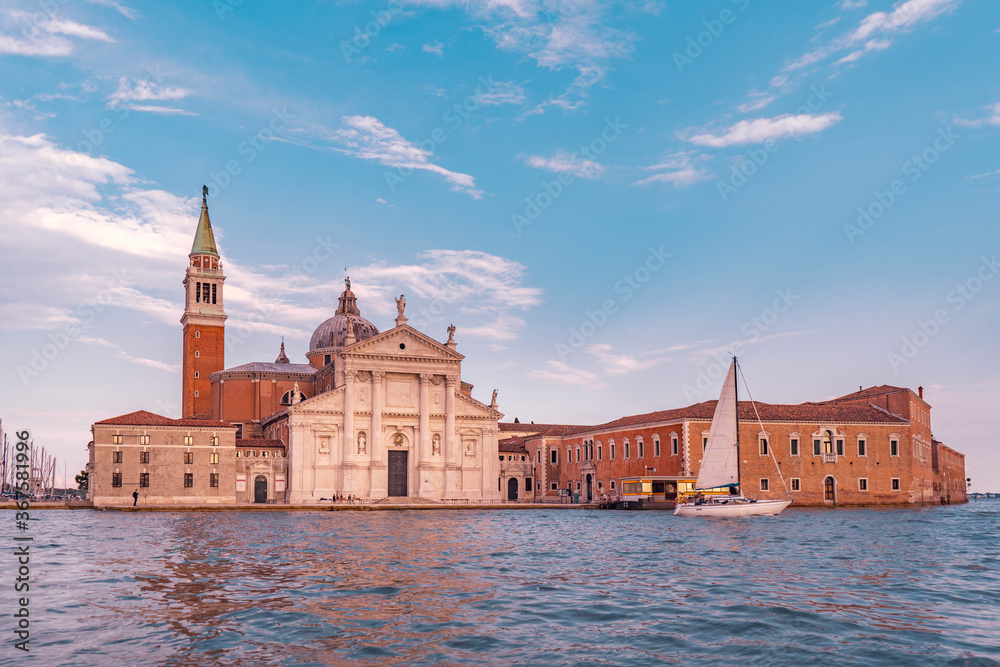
[[720, 463]]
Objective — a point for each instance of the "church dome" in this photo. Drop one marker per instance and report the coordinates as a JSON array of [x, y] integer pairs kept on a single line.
[[333, 332]]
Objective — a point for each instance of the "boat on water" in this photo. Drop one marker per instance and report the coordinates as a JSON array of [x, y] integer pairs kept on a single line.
[[720, 467]]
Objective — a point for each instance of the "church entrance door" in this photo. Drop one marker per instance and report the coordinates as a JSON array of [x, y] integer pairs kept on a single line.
[[590, 488], [397, 472], [260, 489], [512, 488]]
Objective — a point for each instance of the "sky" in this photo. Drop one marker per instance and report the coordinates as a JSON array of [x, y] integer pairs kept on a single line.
[[607, 199]]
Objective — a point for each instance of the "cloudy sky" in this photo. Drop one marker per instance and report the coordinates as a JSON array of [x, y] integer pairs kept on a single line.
[[606, 198]]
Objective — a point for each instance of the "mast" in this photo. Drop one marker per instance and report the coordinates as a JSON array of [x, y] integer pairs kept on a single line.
[[736, 390]]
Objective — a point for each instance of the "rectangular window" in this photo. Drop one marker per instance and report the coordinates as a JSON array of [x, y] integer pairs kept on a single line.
[[862, 448], [862, 484], [214, 286], [188, 457], [554, 456], [116, 480], [796, 484], [188, 440], [765, 484], [215, 441], [116, 440], [895, 484], [840, 447], [704, 445], [612, 451], [817, 444], [612, 484], [143, 439], [213, 480], [213, 457], [143, 457], [144, 479], [527, 484], [894, 448], [640, 450], [538, 453], [626, 449], [763, 446], [578, 455], [197, 292], [238, 453], [116, 457], [674, 445], [656, 448], [555, 486], [600, 452], [188, 480], [793, 446]]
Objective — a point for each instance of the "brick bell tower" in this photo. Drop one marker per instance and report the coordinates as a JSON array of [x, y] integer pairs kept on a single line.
[[203, 319]]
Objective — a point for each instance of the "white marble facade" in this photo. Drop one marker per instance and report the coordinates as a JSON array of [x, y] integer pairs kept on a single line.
[[397, 405]]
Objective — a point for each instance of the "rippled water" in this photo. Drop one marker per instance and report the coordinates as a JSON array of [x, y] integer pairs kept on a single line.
[[863, 586]]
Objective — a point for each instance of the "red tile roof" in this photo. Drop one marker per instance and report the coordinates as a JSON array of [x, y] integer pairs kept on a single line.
[[870, 392], [804, 412], [145, 418], [243, 443], [512, 446]]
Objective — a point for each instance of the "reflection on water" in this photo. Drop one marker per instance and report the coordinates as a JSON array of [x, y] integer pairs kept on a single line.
[[862, 586]]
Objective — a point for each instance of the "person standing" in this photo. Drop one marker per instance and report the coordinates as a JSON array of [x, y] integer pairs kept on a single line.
[[135, 497]]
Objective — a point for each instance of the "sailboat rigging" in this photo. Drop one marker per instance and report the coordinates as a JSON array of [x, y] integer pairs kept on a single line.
[[720, 466]]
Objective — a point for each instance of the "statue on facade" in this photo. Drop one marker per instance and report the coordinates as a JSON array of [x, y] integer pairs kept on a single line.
[[347, 281], [493, 403], [295, 394], [451, 333], [400, 305], [436, 445], [362, 443]]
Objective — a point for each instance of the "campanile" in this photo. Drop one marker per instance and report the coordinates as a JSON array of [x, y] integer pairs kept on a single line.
[[203, 319]]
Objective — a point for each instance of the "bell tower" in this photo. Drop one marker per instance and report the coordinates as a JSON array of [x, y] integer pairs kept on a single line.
[[203, 319]]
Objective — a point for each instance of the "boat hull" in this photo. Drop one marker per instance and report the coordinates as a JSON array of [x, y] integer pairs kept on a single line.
[[758, 508]]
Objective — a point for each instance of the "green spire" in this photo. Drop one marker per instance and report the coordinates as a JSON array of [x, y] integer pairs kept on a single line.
[[204, 239]]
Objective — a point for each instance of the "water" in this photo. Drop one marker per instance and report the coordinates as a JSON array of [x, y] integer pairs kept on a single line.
[[851, 587]]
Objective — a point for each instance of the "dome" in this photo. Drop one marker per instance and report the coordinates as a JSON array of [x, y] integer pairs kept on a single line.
[[333, 332]]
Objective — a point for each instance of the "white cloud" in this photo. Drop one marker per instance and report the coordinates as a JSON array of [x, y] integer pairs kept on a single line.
[[555, 35], [559, 372], [143, 90], [127, 12], [758, 100], [502, 92], [368, 138], [761, 129], [619, 364], [678, 168], [852, 4], [992, 119], [437, 48], [563, 161], [984, 175], [40, 34]]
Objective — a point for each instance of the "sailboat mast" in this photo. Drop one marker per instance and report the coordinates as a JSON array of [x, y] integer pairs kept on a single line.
[[736, 391]]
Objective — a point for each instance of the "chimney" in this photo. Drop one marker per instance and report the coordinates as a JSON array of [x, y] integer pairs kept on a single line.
[[920, 391]]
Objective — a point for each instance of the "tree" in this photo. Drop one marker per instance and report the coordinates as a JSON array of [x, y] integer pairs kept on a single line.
[[82, 479], [516, 421]]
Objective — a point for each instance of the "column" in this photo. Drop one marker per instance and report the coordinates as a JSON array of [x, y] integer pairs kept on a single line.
[[379, 471], [349, 454], [424, 435], [450, 436]]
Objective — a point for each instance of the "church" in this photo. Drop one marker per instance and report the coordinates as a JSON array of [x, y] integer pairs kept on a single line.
[[374, 415]]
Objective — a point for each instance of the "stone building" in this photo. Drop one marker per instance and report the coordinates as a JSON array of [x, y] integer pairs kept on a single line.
[[870, 447], [373, 415], [168, 461]]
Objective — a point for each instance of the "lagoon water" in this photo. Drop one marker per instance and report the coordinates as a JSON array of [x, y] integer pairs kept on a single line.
[[850, 586]]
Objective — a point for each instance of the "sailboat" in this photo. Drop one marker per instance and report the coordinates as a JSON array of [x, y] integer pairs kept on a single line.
[[720, 466]]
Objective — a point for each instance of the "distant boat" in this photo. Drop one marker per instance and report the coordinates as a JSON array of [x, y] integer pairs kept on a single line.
[[720, 467]]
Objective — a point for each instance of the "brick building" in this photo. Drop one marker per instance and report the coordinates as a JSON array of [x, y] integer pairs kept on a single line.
[[870, 447]]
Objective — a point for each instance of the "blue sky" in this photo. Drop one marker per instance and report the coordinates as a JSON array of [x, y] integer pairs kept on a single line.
[[605, 198]]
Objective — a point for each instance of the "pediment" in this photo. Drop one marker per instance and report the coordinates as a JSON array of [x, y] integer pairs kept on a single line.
[[416, 344], [327, 401]]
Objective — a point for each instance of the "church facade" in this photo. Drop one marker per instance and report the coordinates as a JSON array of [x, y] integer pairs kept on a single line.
[[374, 415]]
